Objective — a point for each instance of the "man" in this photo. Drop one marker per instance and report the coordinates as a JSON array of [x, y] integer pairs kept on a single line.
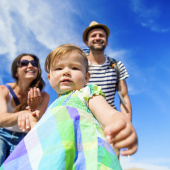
[[102, 74]]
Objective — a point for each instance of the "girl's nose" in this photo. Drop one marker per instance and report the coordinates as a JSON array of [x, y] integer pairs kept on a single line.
[[66, 71]]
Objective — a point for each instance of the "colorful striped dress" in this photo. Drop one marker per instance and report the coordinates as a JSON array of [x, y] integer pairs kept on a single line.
[[67, 137]]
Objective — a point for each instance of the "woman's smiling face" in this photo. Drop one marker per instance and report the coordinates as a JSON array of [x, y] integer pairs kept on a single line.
[[27, 71]]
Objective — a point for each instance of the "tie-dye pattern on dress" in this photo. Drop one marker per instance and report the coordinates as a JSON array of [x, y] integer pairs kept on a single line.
[[68, 137]]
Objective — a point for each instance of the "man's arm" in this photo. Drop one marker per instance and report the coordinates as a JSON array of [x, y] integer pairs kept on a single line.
[[127, 107]]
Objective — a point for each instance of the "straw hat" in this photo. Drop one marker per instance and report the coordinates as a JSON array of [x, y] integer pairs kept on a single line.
[[94, 24]]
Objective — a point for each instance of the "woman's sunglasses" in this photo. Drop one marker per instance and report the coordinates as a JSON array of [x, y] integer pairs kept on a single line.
[[23, 63]]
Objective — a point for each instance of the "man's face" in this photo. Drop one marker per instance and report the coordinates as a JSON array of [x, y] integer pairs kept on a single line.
[[97, 39]]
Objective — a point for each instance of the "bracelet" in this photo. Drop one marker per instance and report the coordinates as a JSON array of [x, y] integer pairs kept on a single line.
[[32, 110]]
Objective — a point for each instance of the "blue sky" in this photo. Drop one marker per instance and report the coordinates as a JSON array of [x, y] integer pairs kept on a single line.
[[140, 38]]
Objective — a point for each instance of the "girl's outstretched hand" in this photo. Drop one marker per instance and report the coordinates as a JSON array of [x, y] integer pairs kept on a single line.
[[34, 98], [122, 134]]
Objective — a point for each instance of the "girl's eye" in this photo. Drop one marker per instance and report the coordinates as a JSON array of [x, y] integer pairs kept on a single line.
[[58, 69], [75, 68]]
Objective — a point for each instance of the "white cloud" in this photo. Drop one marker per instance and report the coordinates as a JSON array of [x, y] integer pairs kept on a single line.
[[7, 38], [49, 24], [127, 163], [151, 15], [119, 55], [35, 27], [159, 160]]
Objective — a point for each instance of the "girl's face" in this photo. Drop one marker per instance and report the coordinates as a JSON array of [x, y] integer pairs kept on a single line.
[[27, 68], [68, 73]]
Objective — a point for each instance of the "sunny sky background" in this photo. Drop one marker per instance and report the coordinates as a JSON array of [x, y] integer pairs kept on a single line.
[[140, 38]]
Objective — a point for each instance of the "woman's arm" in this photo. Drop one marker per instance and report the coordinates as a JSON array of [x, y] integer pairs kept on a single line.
[[7, 119]]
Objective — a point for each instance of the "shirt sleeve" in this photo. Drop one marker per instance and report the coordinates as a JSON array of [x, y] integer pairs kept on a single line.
[[123, 72], [89, 91]]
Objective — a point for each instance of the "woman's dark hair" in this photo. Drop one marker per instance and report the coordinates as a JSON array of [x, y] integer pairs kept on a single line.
[[38, 82]]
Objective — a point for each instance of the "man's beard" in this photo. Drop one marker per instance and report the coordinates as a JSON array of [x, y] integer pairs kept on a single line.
[[94, 48]]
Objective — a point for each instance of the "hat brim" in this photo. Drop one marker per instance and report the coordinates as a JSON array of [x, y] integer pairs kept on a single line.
[[94, 26]]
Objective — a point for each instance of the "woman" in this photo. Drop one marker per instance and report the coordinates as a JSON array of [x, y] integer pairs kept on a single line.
[[15, 97]]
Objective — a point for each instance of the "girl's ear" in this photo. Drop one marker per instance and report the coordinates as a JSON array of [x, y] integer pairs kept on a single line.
[[87, 77], [48, 76]]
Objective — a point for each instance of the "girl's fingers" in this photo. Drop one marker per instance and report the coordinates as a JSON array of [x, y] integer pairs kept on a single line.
[[113, 131], [124, 133], [128, 142], [130, 151]]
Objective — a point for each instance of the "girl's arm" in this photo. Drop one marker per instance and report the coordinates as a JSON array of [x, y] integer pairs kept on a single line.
[[117, 127], [102, 110]]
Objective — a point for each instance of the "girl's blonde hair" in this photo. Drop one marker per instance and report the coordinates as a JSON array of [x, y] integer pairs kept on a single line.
[[58, 52]]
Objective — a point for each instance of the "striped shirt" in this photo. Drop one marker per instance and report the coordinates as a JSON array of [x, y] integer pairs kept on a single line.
[[105, 76]]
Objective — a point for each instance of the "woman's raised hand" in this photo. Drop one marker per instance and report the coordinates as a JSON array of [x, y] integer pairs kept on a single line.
[[34, 98]]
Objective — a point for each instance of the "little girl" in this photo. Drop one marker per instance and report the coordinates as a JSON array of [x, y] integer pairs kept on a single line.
[[70, 134]]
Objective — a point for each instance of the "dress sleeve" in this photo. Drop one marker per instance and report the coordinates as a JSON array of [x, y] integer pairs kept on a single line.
[[89, 91]]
